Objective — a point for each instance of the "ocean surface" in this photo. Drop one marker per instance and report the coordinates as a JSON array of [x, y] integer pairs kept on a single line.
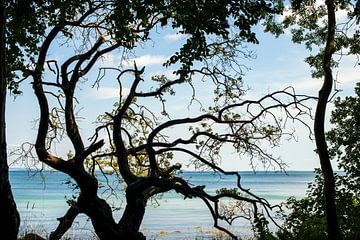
[[41, 199]]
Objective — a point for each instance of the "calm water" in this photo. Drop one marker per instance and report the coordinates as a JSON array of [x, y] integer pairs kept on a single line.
[[42, 199]]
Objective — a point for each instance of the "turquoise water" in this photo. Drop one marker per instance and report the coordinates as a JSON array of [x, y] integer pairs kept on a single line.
[[42, 198]]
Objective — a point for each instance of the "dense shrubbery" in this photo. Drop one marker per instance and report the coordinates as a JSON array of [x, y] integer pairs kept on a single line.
[[307, 217]]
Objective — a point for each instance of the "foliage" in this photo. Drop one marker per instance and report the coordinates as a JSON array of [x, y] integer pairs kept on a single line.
[[211, 18], [344, 138], [27, 22], [307, 21], [261, 229], [307, 217]]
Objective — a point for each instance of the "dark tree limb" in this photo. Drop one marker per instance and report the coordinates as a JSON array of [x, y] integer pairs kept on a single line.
[[69, 90], [44, 122], [333, 229], [65, 223], [121, 151], [88, 202]]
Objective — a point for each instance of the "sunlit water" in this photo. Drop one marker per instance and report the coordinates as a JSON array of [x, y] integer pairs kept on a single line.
[[41, 199]]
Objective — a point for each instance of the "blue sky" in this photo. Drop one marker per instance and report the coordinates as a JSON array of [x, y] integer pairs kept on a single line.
[[278, 63]]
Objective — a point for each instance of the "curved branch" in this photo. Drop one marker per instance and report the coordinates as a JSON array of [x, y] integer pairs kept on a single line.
[[69, 89], [121, 151], [40, 145], [219, 169]]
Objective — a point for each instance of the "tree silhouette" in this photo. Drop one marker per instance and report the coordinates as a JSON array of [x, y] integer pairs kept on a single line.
[[9, 220], [137, 147]]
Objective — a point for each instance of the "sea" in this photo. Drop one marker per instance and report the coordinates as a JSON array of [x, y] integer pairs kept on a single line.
[[42, 197]]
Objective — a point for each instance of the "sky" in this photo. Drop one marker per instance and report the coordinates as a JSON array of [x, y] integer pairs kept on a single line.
[[278, 64]]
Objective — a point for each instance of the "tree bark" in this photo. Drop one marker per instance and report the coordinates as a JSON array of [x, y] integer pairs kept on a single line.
[[9, 216], [333, 229], [100, 213], [134, 212], [103, 222]]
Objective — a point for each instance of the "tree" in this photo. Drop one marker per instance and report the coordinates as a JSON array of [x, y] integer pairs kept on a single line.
[[319, 129], [138, 148], [9, 220], [316, 27], [307, 218]]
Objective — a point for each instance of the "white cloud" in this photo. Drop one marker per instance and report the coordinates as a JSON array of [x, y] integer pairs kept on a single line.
[[146, 60], [107, 92], [309, 84], [174, 37], [112, 59], [109, 59], [345, 77]]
